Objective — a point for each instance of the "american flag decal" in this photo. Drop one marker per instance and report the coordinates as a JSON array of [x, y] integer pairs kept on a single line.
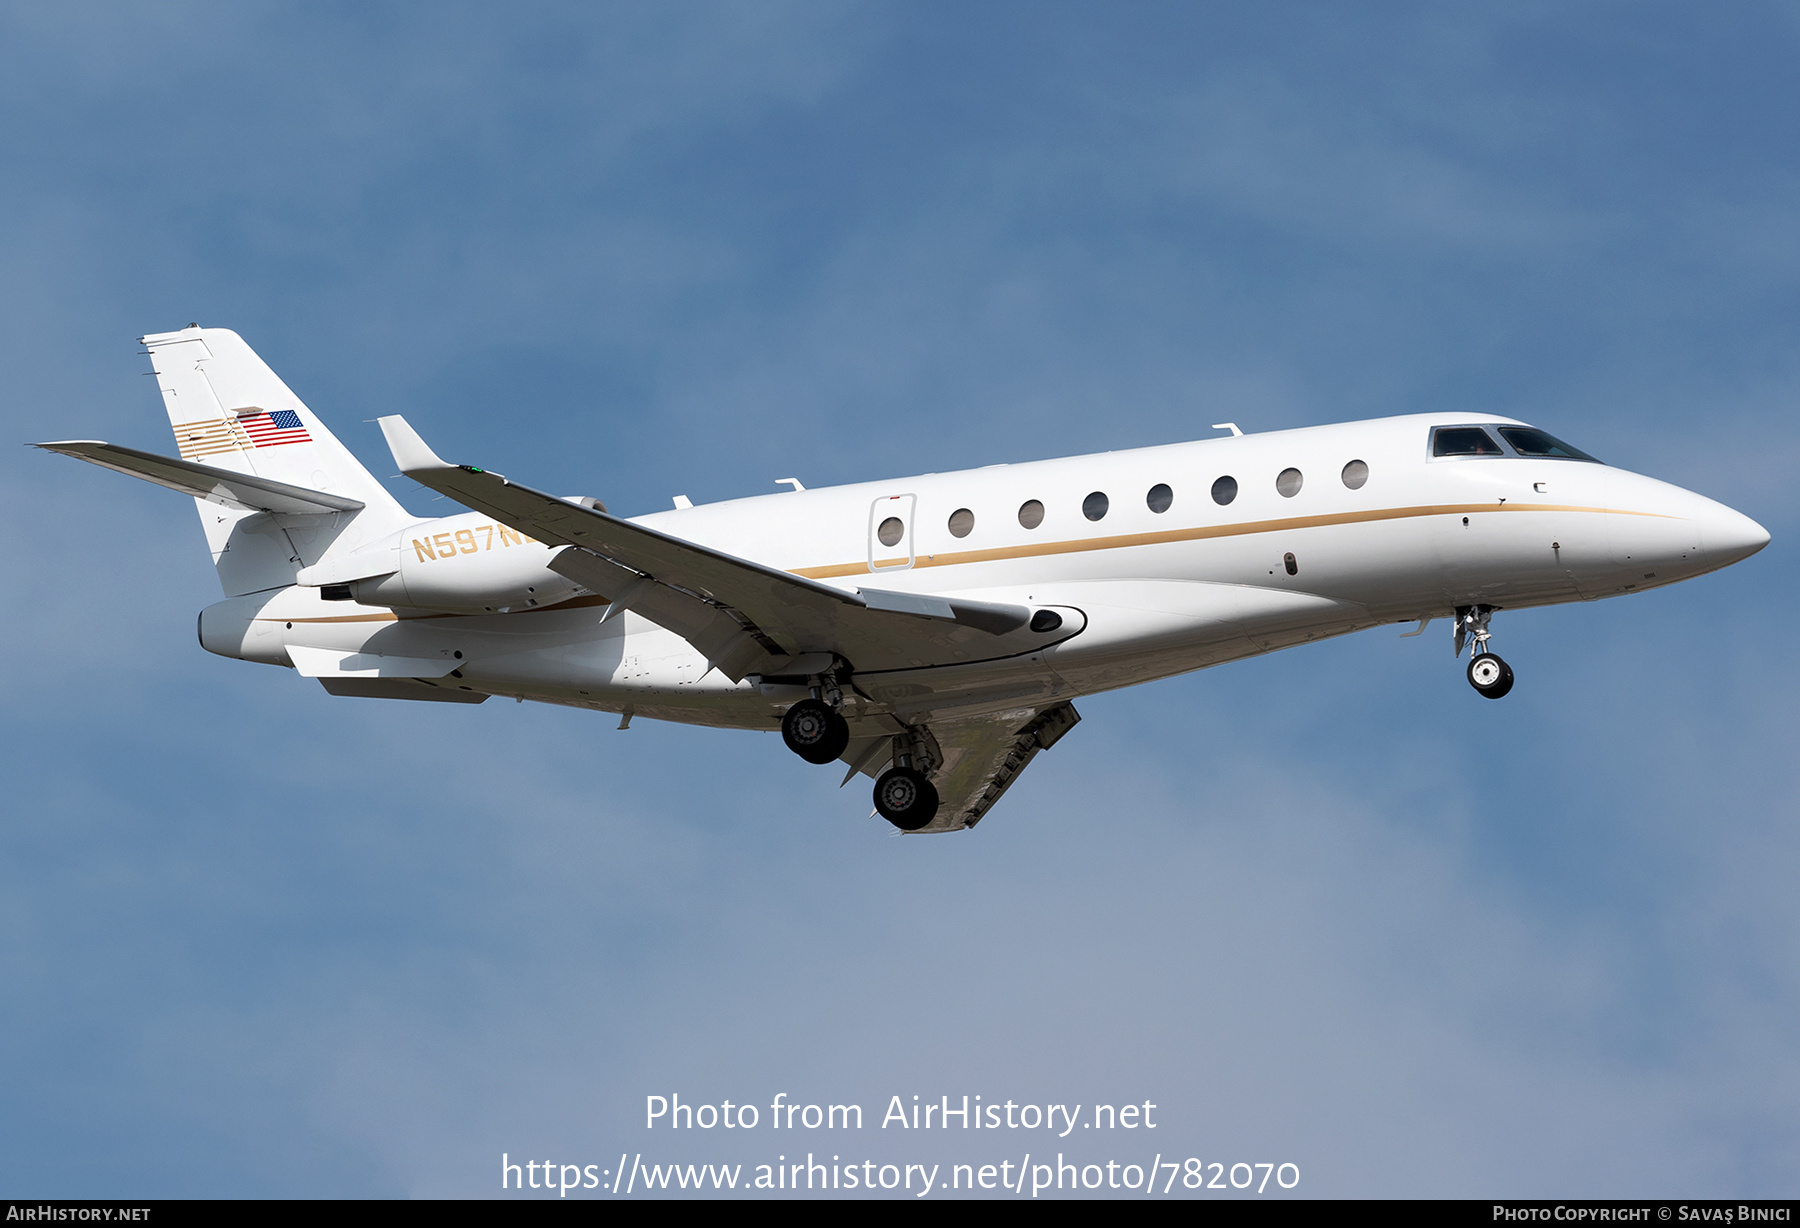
[[268, 430], [246, 429]]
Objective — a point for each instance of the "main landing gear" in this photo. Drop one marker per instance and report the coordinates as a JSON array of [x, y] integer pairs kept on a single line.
[[1491, 677], [905, 797], [904, 794], [816, 730]]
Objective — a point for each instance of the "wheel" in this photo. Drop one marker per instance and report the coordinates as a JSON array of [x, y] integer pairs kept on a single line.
[[814, 732], [905, 798], [1490, 676]]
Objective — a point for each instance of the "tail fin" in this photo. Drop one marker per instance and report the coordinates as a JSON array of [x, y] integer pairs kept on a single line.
[[230, 411]]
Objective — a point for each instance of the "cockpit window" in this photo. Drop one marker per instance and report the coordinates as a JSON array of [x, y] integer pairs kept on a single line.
[[1529, 441], [1464, 441]]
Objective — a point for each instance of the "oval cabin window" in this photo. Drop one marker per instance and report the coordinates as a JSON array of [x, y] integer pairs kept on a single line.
[[1095, 505], [1289, 483], [1224, 490], [962, 522], [891, 531], [1031, 513], [1355, 474], [1160, 498]]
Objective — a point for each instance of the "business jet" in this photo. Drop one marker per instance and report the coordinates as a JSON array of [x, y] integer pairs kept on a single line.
[[930, 631]]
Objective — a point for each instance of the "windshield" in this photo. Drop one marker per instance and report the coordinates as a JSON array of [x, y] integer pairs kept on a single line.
[[1529, 441], [1464, 441]]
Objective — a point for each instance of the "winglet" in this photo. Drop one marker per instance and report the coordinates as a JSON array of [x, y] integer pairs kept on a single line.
[[411, 453]]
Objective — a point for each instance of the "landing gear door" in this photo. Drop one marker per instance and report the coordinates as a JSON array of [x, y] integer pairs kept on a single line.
[[891, 533]]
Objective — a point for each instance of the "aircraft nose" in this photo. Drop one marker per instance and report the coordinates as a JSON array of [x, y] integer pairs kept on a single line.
[[1727, 536]]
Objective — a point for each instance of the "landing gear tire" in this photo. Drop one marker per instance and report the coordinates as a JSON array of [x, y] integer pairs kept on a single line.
[[1490, 676], [905, 798], [814, 732]]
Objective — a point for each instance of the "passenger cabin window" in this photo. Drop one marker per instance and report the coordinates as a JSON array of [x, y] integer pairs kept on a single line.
[[891, 531], [962, 522], [1160, 498], [1289, 482], [1031, 513], [1224, 490], [1095, 505], [1464, 441], [1529, 441], [1355, 474]]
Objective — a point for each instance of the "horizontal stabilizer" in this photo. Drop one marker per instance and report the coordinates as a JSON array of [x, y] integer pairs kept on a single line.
[[241, 491], [336, 663]]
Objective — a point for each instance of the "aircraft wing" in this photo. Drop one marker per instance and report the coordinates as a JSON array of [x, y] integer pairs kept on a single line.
[[744, 616], [984, 755]]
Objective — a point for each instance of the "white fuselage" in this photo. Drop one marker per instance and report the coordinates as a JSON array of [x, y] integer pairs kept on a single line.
[[1143, 593]]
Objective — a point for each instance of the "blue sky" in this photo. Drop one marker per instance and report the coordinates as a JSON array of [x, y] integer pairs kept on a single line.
[[1328, 906]]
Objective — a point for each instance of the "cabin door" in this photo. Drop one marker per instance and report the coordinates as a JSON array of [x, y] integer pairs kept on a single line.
[[891, 533]]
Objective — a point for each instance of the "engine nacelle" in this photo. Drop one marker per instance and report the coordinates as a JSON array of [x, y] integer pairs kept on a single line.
[[467, 564]]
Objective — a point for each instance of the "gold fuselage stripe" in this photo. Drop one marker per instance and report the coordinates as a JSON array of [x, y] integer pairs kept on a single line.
[[1201, 532]]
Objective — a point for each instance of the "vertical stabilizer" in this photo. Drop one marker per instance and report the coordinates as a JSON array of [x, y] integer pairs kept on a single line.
[[230, 411]]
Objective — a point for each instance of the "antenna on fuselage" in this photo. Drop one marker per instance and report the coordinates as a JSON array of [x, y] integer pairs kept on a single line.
[[1227, 426]]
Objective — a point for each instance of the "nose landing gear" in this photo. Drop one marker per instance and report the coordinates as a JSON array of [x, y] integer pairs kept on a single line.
[[1491, 677]]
